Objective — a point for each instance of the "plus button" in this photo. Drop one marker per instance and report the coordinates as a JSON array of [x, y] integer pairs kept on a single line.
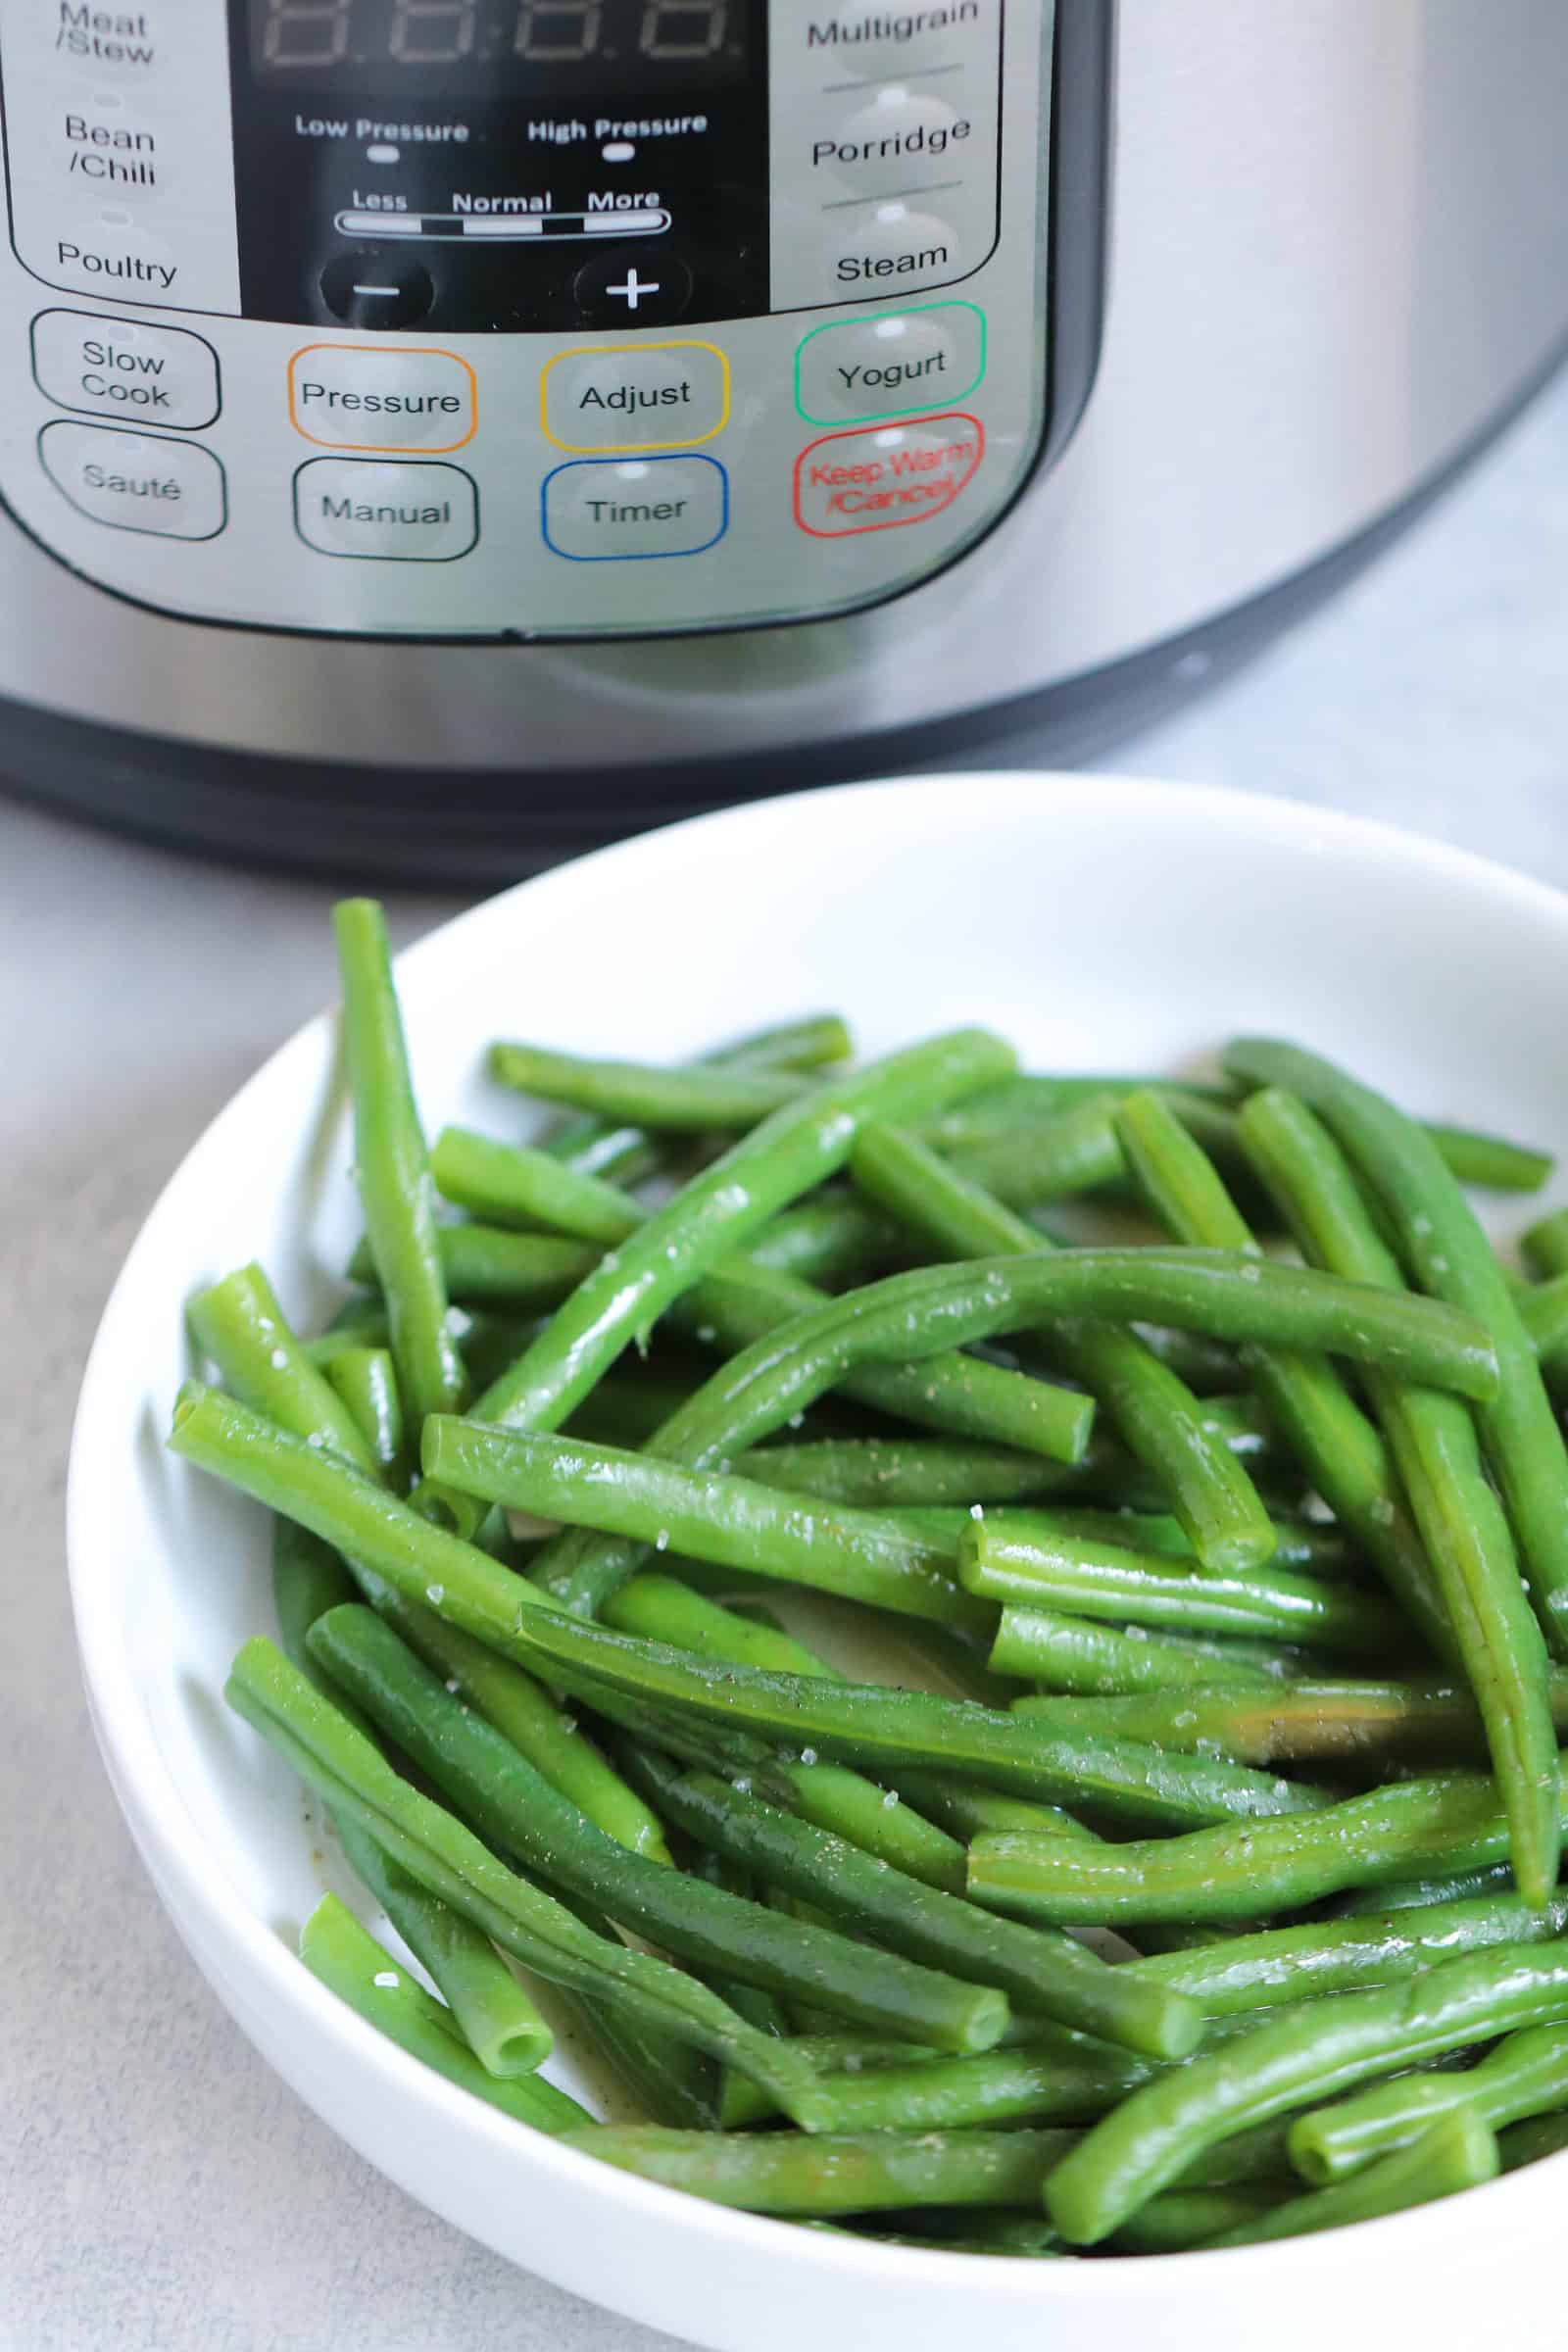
[[632, 288]]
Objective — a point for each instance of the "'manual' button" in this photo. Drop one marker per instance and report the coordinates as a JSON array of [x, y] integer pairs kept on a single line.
[[634, 510], [393, 398], [419, 514], [882, 479], [136, 481], [628, 395]]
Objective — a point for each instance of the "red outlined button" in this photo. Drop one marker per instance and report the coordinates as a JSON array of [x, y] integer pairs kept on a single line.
[[883, 478]]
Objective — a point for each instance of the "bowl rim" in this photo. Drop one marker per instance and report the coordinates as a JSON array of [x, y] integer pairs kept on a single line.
[[133, 1761]]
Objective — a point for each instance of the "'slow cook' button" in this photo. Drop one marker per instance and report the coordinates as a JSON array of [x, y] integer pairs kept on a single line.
[[636, 396], [136, 481], [891, 476], [344, 396], [419, 514], [636, 509], [124, 367]]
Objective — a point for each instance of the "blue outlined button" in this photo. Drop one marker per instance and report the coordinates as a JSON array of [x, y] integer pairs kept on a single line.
[[634, 510]]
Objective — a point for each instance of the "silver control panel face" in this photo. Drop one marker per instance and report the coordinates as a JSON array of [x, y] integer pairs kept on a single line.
[[520, 319]]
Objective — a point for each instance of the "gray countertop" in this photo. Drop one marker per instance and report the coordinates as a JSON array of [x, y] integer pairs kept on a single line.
[[165, 2192]]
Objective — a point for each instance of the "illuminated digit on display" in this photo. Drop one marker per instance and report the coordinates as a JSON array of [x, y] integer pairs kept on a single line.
[[554, 31], [433, 32]]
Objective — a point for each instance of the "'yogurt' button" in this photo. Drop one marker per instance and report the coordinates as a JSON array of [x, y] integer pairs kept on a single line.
[[125, 368], [419, 514], [636, 396], [892, 364], [136, 481], [635, 508], [887, 477], [346, 396]]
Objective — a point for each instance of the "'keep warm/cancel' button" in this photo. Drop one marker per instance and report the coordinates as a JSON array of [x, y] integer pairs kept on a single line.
[[885, 475]]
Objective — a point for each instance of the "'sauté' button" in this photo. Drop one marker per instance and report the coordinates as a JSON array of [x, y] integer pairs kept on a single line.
[[390, 396], [891, 365], [382, 511], [887, 477], [136, 481], [634, 510], [631, 396]]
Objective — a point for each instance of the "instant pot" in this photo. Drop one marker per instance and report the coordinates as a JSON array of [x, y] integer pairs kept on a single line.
[[437, 433]]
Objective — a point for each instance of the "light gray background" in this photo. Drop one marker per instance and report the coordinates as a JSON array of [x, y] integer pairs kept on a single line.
[[159, 2191]]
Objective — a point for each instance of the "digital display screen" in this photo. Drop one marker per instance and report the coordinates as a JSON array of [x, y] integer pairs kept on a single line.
[[528, 48]]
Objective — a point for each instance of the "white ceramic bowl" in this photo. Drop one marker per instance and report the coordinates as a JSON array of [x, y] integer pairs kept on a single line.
[[1102, 925]]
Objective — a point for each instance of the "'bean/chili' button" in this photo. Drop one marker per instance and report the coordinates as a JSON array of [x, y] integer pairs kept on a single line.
[[612, 396], [887, 476], [345, 396]]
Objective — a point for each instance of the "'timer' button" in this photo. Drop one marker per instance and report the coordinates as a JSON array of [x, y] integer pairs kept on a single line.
[[636, 509], [415, 514], [635, 396], [394, 397], [136, 481]]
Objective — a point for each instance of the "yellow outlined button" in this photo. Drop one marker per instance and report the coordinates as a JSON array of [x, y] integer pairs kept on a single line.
[[620, 398], [392, 396]]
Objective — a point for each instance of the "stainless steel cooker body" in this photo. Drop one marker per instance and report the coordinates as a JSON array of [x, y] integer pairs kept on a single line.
[[1285, 267]]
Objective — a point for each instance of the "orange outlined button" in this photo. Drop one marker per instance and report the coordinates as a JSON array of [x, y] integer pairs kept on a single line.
[[886, 476], [625, 397], [348, 396]]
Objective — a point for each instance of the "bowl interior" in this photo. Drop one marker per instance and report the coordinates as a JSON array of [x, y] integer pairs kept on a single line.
[[1102, 925]]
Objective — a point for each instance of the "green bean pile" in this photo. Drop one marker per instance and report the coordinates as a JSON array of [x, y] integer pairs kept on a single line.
[[759, 1571]]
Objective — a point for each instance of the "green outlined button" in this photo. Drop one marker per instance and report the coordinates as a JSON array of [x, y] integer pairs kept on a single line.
[[895, 363]]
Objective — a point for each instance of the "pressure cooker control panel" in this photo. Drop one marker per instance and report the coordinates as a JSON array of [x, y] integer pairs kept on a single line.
[[520, 319]]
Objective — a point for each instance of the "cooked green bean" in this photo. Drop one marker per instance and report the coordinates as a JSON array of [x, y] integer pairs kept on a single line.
[[1106, 1581], [485, 1267], [391, 1166], [1073, 1151], [832, 1239], [1434, 1443], [601, 1148], [969, 1812], [865, 1724], [1544, 1311], [367, 1380], [1490, 1161], [1412, 1829], [239, 1324], [1155, 1414], [514, 1807], [1075, 1657], [1453, 1260], [349, 1772], [1527, 2143], [1341, 1452], [1057, 2076], [900, 1473], [1544, 1247], [719, 1211], [1457, 2153], [1526, 2074], [350, 1963], [786, 2173], [1298, 1542], [490, 2010], [1424, 1894], [1376, 1724], [1185, 2218], [518, 1184], [1307, 2054], [692, 1100], [1042, 1975], [1278, 1965], [552, 1740], [731, 1521], [659, 1608]]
